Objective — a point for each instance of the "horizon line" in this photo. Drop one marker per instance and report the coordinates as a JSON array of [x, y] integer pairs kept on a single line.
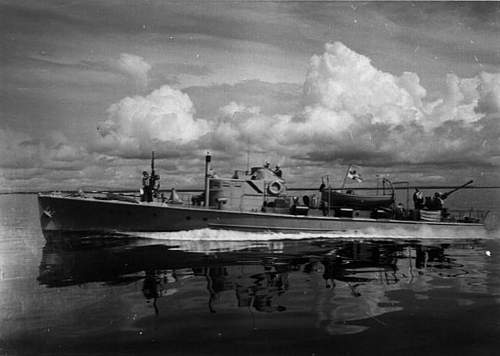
[[184, 190]]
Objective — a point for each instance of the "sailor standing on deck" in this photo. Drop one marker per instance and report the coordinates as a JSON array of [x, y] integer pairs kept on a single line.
[[155, 185], [145, 186], [437, 201], [418, 199], [278, 171]]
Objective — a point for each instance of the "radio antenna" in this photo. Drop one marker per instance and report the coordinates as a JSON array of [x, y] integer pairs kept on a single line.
[[248, 156]]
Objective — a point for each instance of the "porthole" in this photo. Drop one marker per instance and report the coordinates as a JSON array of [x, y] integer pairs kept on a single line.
[[188, 218], [205, 219]]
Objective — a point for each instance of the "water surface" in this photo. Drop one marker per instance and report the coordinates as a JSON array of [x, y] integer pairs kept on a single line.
[[221, 294]]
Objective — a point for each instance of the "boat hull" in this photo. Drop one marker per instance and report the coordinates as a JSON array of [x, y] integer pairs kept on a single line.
[[69, 214]]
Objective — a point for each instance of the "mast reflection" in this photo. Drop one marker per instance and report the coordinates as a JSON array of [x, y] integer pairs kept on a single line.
[[353, 277]]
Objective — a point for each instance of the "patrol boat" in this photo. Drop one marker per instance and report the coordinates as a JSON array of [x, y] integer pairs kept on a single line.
[[256, 201]]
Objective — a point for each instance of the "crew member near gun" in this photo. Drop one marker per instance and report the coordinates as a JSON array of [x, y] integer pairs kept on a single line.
[[437, 201], [418, 199]]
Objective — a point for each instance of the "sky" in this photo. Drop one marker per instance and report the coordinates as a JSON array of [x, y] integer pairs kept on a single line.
[[404, 90]]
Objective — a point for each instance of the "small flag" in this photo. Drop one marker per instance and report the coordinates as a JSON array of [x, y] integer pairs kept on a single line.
[[354, 175]]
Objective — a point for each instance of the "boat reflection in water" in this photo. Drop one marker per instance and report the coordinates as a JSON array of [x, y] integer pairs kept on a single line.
[[345, 284]]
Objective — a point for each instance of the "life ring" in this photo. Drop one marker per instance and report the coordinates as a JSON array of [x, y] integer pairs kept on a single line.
[[275, 187]]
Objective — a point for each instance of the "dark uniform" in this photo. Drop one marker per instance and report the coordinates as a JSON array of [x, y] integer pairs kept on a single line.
[[418, 199], [278, 172], [146, 190]]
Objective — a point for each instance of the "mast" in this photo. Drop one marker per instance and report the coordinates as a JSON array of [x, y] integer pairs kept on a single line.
[[248, 162], [152, 178], [248, 157], [152, 163]]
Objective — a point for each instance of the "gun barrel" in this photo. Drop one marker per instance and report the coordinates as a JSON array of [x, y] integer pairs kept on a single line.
[[458, 188]]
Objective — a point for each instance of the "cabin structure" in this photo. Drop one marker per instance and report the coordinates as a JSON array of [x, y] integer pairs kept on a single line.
[[259, 190]]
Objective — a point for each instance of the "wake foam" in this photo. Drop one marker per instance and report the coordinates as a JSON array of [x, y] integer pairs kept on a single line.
[[227, 235], [424, 232]]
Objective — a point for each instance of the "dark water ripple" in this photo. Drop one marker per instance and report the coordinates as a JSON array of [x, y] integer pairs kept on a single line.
[[105, 295]]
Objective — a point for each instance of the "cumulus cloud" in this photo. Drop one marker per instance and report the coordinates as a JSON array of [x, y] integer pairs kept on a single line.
[[22, 151], [163, 117], [350, 106], [29, 163], [352, 112], [234, 108], [17, 149], [489, 89], [135, 67], [343, 81]]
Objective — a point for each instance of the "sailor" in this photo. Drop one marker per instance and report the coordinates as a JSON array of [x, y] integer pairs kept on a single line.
[[428, 203], [156, 185], [278, 171], [145, 178], [437, 201], [198, 199], [322, 186], [145, 186], [267, 164], [149, 188], [418, 199]]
